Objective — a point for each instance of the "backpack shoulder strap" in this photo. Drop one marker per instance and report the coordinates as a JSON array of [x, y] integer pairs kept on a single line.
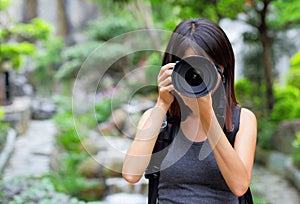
[[168, 131], [236, 112]]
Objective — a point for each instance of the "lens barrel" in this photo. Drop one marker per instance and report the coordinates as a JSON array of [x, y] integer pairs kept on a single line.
[[194, 76]]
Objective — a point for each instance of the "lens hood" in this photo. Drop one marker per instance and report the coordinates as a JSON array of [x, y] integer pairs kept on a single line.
[[194, 76]]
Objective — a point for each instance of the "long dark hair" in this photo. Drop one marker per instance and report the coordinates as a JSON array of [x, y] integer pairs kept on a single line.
[[207, 39]]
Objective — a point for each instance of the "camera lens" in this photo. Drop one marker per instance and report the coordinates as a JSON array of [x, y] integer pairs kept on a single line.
[[193, 77]]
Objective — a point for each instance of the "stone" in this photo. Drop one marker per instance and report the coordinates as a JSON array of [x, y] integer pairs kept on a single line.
[[90, 168], [18, 114], [42, 108], [112, 158], [284, 135], [89, 146], [21, 86], [119, 117], [293, 174]]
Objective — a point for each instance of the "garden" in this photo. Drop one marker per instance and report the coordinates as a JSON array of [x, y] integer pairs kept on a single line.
[[90, 70]]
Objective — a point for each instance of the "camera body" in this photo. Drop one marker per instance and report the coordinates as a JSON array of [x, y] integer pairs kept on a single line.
[[194, 76]]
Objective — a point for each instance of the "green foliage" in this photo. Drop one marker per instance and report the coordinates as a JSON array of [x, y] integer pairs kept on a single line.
[[4, 4], [153, 66], [46, 61], [3, 129], [38, 29], [110, 26], [13, 53], [12, 49], [25, 190], [296, 153], [249, 95], [73, 57], [293, 76], [285, 12], [106, 103], [67, 135], [103, 110], [265, 129], [66, 177], [287, 104]]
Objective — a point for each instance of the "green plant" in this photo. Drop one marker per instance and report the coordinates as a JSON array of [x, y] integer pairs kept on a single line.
[[293, 76], [111, 26], [265, 129], [3, 129], [46, 61], [73, 57], [65, 177], [22, 190], [287, 105], [153, 66], [68, 135], [4, 4], [12, 49], [296, 153]]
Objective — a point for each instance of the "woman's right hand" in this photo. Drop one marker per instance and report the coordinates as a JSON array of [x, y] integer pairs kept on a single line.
[[165, 86]]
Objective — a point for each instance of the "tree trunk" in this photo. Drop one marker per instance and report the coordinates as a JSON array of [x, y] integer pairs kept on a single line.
[[268, 67], [30, 10], [266, 42], [5, 88], [62, 19]]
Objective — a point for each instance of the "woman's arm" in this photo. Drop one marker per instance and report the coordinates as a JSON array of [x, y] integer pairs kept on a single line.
[[235, 163], [139, 153]]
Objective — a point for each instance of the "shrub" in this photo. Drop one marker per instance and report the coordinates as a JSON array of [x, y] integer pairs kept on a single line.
[[287, 104], [25, 190], [152, 68], [293, 76], [65, 176], [3, 129]]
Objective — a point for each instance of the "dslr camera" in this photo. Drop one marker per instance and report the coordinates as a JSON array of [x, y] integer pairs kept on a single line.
[[194, 76]]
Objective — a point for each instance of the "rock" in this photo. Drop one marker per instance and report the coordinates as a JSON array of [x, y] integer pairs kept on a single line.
[[89, 146], [119, 117], [90, 168], [293, 173], [126, 198], [112, 158], [262, 156], [42, 109], [284, 135], [21, 86], [18, 114]]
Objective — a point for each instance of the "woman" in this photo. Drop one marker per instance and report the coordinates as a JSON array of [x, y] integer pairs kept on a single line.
[[224, 173]]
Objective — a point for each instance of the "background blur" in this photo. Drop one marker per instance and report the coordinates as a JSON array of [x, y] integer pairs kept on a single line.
[[76, 75]]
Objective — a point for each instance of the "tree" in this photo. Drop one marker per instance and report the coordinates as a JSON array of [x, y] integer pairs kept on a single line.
[[270, 18], [17, 41], [30, 10], [63, 24]]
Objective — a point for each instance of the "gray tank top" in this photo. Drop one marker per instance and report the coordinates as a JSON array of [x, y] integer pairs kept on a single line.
[[190, 175]]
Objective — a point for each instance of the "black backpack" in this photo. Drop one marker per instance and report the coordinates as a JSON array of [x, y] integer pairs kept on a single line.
[[166, 136]]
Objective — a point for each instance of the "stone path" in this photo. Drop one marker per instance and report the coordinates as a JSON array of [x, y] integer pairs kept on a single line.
[[273, 188], [32, 151]]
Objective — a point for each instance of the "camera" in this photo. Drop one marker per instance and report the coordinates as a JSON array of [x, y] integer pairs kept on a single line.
[[194, 76]]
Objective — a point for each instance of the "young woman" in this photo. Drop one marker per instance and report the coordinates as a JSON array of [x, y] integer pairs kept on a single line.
[[187, 175]]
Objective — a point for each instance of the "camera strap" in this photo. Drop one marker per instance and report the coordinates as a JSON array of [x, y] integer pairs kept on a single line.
[[221, 73]]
